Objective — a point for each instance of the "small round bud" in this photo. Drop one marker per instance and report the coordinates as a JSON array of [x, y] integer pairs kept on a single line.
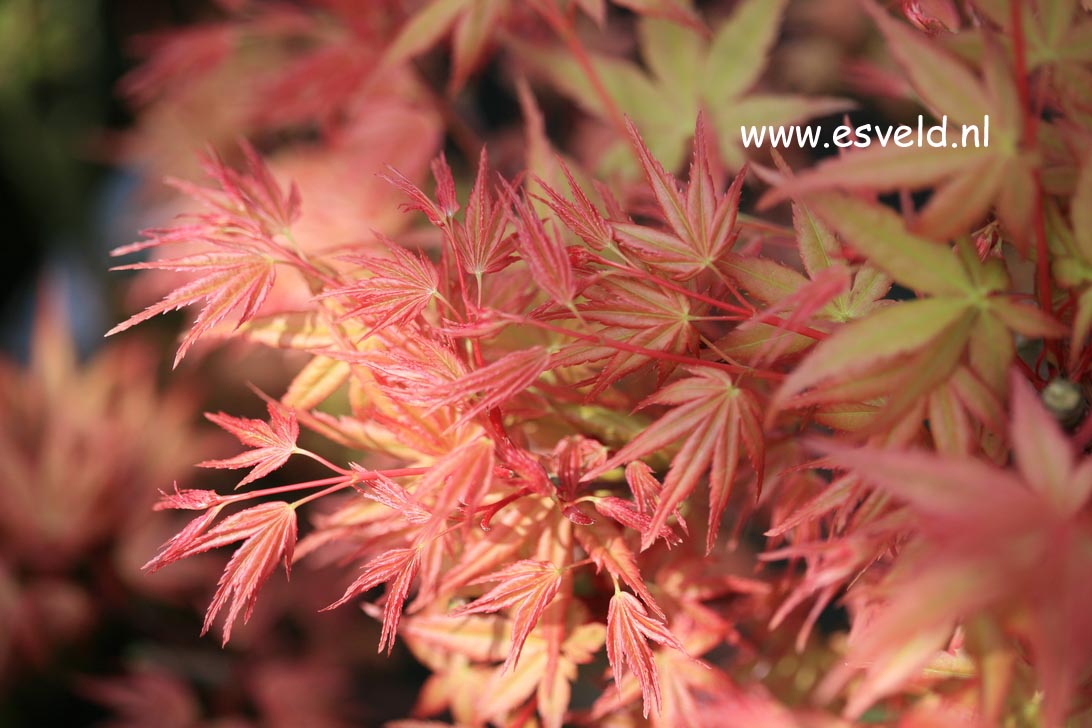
[[1065, 400]]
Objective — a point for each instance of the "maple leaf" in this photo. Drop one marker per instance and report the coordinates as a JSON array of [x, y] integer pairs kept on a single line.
[[646, 491], [481, 242], [296, 330], [636, 313], [396, 291], [316, 382], [477, 638], [237, 269], [463, 475], [146, 697], [703, 227], [178, 546], [908, 349], [472, 22], [1056, 37], [1071, 262], [383, 490], [475, 693], [766, 335], [607, 549], [968, 180], [228, 282], [445, 206], [188, 500], [268, 532], [273, 442], [579, 215], [692, 693], [492, 548], [545, 255], [829, 292], [494, 383], [626, 513], [712, 417], [689, 73], [990, 541], [629, 627], [582, 642], [820, 252], [527, 585], [396, 568], [545, 672]]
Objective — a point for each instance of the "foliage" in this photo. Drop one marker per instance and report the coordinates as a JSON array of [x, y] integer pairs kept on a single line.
[[624, 424]]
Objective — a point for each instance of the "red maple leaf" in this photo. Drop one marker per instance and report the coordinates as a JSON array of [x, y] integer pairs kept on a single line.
[[702, 225], [239, 240], [529, 586], [273, 442], [712, 417], [629, 628], [398, 290], [268, 532], [396, 568]]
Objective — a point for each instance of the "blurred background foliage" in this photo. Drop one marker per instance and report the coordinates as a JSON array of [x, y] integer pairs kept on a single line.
[[59, 63], [89, 430]]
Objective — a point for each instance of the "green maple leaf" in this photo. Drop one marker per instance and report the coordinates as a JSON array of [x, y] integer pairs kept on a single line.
[[968, 182], [1058, 35], [685, 73], [912, 348]]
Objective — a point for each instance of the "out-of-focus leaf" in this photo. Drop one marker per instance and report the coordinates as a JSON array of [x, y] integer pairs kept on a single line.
[[895, 330], [320, 378], [737, 54], [879, 234]]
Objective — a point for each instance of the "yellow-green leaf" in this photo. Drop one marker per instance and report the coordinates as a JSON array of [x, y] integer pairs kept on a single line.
[[892, 331], [738, 52], [879, 234]]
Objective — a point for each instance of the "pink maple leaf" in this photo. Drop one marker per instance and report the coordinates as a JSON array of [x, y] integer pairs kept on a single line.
[[629, 628], [273, 442], [396, 568], [529, 586], [1010, 543]]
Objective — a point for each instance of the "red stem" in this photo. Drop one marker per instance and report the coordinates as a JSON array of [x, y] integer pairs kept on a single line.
[[338, 481], [746, 313], [323, 461], [652, 353], [366, 475], [321, 494], [343, 480], [1019, 49], [1031, 122], [1029, 373], [563, 27]]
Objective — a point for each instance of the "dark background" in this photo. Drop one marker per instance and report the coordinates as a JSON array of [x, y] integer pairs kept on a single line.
[[60, 61]]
